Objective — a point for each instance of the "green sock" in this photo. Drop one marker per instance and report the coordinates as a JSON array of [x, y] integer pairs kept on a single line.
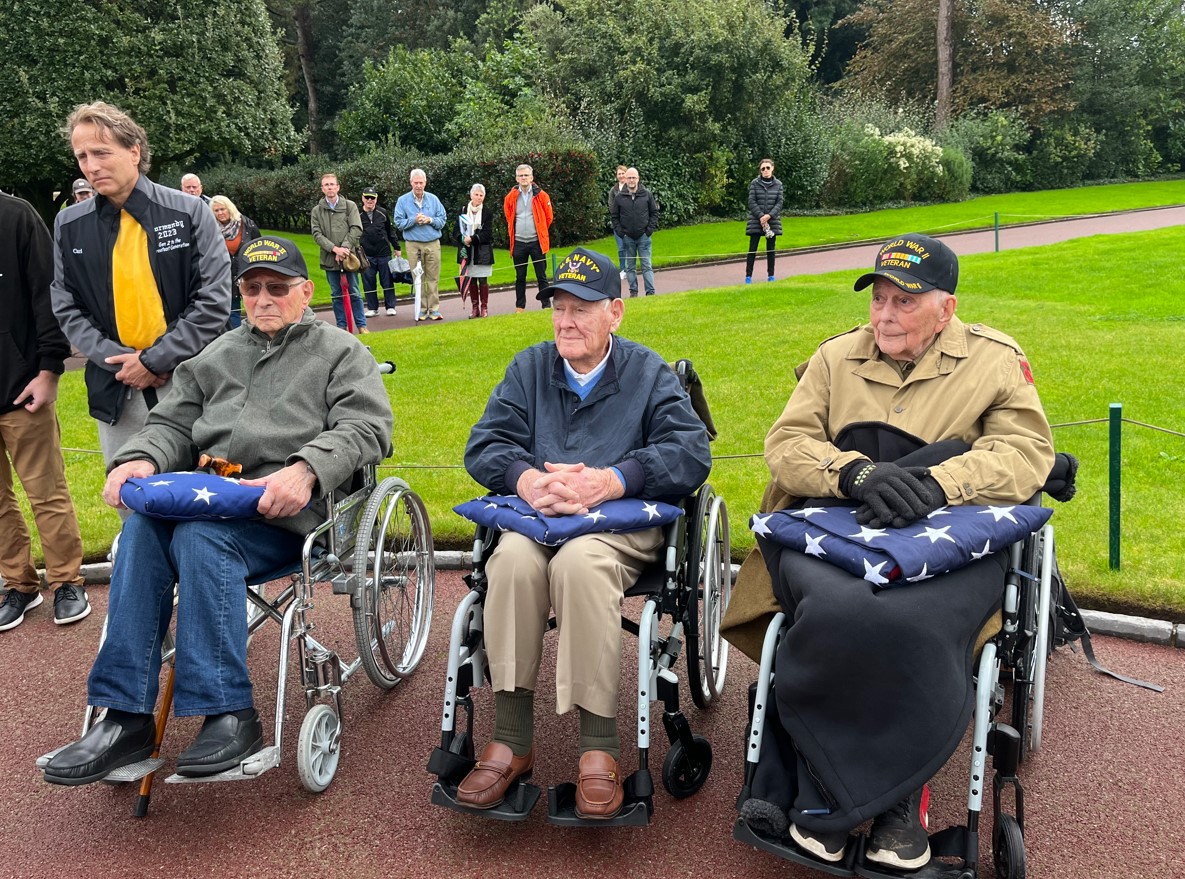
[[514, 720], [599, 734]]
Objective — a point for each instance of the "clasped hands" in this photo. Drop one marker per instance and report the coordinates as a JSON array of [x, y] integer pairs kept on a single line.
[[568, 489], [286, 492], [134, 373], [890, 495]]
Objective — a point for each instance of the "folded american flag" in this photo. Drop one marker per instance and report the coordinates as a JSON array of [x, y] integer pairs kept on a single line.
[[512, 513], [946, 540], [186, 495]]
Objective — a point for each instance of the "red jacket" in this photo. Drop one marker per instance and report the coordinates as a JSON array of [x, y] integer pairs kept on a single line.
[[540, 208]]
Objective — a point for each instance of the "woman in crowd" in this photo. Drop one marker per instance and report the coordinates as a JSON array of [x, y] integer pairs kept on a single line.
[[237, 230], [765, 217], [475, 249]]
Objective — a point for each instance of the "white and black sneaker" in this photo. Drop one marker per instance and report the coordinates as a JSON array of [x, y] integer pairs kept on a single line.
[[70, 604], [14, 606], [826, 846], [899, 837]]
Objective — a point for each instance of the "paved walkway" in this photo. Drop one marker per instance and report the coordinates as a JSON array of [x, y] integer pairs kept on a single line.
[[1103, 797]]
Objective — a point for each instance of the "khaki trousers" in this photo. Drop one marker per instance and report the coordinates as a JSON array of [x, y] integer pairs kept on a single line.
[[426, 253], [131, 422], [33, 441], [583, 581]]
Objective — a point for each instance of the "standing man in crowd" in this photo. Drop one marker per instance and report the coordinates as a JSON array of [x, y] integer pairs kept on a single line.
[[192, 184], [378, 237], [141, 274], [420, 216], [528, 218], [32, 358], [82, 190], [635, 218], [337, 229], [613, 190]]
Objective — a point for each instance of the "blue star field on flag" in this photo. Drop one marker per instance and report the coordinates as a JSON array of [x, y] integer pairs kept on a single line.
[[946, 540], [512, 513], [185, 495]]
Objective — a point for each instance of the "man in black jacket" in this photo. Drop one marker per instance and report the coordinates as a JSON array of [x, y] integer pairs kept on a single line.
[[141, 274], [378, 237], [31, 359], [635, 219]]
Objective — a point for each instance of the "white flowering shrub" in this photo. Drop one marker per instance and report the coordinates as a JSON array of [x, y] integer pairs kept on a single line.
[[870, 168]]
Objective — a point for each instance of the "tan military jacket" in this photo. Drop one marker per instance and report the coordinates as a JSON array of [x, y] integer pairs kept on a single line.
[[973, 384]]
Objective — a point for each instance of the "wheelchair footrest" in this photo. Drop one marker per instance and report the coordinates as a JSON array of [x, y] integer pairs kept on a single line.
[[254, 766], [944, 843], [122, 775], [520, 800], [786, 849], [561, 810]]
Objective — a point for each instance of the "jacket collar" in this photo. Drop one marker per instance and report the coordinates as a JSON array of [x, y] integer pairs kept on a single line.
[[297, 329]]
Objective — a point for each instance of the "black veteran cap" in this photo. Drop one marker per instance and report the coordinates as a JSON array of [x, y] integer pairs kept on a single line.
[[371, 191], [586, 274], [915, 263], [273, 253]]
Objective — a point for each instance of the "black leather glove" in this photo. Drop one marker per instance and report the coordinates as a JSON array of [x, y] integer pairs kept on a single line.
[[890, 495]]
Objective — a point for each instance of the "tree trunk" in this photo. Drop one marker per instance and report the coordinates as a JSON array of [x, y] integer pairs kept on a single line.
[[945, 66], [304, 49]]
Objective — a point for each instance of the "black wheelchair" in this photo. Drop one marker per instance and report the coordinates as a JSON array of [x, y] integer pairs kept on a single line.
[[690, 586]]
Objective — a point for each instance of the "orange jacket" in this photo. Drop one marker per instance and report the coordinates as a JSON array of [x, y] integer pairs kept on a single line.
[[540, 208]]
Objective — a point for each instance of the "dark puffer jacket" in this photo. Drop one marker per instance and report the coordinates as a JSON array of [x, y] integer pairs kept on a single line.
[[765, 197]]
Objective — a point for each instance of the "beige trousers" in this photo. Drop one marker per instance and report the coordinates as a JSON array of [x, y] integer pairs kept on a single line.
[[33, 441], [583, 581], [426, 253]]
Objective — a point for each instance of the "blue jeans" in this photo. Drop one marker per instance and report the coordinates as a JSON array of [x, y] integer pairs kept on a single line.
[[334, 276], [380, 266], [236, 309], [635, 249], [211, 562]]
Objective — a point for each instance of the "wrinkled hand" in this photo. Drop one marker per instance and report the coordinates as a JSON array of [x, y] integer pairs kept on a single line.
[[340, 253], [41, 391], [133, 373], [287, 491], [568, 489], [890, 495], [121, 474]]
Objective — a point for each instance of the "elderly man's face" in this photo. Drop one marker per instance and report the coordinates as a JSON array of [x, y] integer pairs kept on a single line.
[[524, 176], [192, 185], [273, 301], [906, 323], [631, 179], [418, 185], [582, 329]]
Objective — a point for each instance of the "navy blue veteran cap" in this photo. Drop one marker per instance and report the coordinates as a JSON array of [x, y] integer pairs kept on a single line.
[[916, 264], [273, 253], [586, 274]]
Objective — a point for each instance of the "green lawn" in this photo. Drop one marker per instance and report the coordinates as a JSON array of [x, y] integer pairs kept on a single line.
[[707, 241], [1092, 314]]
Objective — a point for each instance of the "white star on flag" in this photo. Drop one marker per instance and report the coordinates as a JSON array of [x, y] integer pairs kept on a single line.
[[868, 534], [491, 504], [162, 482], [595, 515], [999, 513], [941, 511], [873, 573], [921, 576], [807, 512], [814, 545], [651, 510], [987, 549], [203, 494], [937, 534], [759, 526]]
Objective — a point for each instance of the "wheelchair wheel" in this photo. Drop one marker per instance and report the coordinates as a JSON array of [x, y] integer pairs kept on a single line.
[[683, 772], [394, 563], [1028, 690], [319, 748], [1008, 848], [709, 587]]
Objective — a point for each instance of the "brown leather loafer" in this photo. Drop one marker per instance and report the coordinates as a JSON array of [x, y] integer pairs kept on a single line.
[[599, 793], [485, 785]]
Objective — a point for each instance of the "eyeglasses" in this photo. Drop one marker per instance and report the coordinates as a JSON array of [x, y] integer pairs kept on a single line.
[[767, 167], [252, 289], [369, 197]]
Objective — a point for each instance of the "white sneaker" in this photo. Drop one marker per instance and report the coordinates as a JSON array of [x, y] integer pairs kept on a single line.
[[623, 274], [370, 312], [390, 312]]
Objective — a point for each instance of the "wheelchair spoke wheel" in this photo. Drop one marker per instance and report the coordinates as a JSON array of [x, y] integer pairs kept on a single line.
[[709, 587], [684, 772], [319, 748], [1008, 848], [1032, 649], [394, 563]]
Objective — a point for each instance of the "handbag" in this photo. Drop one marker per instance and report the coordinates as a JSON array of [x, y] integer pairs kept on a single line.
[[398, 265], [352, 262]]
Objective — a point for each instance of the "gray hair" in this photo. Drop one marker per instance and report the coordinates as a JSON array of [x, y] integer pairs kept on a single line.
[[185, 177], [417, 172], [477, 187], [116, 124], [525, 166]]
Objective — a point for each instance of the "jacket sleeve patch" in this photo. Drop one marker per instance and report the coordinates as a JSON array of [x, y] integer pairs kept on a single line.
[[1027, 371]]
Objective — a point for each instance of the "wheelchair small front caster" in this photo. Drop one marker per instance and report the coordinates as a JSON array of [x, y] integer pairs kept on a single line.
[[319, 748], [683, 772], [1008, 848]]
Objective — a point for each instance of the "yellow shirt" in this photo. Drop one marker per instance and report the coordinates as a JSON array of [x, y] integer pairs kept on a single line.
[[139, 310]]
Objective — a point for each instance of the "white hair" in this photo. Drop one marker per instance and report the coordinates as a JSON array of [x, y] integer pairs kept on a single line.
[[185, 177], [526, 167], [417, 172], [477, 187]]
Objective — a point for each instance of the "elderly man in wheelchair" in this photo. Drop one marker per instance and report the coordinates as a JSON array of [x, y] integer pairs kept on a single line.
[[302, 407], [585, 419], [902, 420]]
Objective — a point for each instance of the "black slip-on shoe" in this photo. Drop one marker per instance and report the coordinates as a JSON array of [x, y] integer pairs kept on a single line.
[[107, 746], [223, 742]]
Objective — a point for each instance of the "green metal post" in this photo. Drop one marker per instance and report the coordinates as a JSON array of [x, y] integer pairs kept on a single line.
[[997, 231], [553, 265], [1116, 458]]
